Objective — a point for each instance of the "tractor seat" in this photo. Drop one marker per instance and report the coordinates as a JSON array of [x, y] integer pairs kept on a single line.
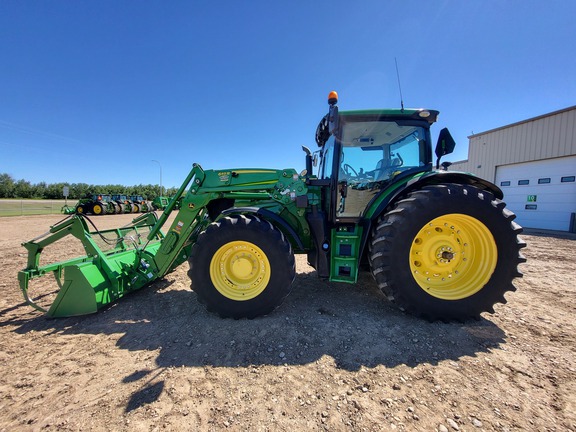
[[385, 167]]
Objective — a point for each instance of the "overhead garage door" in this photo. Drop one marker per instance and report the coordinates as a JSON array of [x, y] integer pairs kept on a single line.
[[541, 193]]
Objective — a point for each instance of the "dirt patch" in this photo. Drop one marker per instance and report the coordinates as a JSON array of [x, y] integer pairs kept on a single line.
[[332, 357]]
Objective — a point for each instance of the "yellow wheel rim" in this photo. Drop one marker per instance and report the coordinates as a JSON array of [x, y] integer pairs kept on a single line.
[[240, 270], [453, 256], [97, 209], [80, 209]]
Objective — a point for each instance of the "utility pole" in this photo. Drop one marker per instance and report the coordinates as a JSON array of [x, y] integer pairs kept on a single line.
[[161, 190]]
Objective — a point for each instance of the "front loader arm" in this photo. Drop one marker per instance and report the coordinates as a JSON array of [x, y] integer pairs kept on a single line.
[[264, 187], [196, 174]]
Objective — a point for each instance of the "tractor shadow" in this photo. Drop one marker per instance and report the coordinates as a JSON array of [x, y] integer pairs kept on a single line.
[[353, 324]]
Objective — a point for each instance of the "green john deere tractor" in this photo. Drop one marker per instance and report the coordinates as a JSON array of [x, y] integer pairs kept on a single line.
[[161, 202], [95, 204], [142, 204], [439, 243], [123, 204]]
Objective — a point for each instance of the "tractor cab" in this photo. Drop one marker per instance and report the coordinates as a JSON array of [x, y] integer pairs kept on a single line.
[[120, 199], [365, 160], [365, 152], [101, 198]]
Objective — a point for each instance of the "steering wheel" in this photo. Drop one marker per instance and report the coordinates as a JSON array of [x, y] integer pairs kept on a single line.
[[348, 170]]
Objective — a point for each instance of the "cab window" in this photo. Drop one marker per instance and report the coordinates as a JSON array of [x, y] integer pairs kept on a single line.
[[372, 154], [327, 159]]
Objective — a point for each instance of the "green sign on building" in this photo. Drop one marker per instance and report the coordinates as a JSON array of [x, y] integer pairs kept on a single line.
[[531, 198]]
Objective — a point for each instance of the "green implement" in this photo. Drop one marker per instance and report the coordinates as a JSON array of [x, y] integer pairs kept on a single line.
[[103, 275]]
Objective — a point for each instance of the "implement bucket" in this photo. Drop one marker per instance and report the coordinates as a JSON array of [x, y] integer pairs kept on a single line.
[[117, 261]]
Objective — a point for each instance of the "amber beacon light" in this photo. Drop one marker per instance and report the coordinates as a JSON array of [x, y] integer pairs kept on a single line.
[[333, 98]]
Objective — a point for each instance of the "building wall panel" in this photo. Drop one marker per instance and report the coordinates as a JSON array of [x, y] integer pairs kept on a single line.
[[545, 137], [536, 147], [540, 205]]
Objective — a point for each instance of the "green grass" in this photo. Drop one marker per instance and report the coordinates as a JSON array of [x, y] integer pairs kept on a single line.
[[15, 207]]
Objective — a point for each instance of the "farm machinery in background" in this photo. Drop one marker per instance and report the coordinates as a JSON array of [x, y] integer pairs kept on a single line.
[[102, 204], [440, 244], [96, 204], [140, 204], [161, 203]]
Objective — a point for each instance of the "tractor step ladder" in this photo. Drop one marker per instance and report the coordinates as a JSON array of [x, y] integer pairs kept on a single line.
[[344, 259]]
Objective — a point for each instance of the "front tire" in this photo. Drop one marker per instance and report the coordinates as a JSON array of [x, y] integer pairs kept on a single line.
[[98, 209], [241, 267], [447, 252]]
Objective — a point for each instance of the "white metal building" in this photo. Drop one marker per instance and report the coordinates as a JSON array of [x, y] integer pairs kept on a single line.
[[534, 163]]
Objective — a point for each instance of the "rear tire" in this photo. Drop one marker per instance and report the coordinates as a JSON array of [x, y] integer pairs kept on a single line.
[[447, 252], [241, 267]]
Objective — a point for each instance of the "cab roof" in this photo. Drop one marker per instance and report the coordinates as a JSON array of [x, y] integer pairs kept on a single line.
[[408, 113]]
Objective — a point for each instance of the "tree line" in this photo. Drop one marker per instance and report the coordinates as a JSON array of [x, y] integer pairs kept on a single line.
[[22, 189]]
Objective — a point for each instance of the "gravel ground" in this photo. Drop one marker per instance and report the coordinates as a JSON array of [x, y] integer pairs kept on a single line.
[[332, 357]]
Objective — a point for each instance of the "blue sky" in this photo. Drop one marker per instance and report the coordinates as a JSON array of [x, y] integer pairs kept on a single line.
[[93, 91]]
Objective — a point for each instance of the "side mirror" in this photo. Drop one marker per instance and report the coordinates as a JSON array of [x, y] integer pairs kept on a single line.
[[308, 160], [444, 146], [322, 133]]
